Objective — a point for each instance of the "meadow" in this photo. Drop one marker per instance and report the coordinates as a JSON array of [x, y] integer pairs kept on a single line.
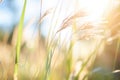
[[72, 40]]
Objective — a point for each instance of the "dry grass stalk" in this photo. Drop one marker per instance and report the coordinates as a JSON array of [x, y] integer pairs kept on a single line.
[[87, 31], [44, 15], [69, 20]]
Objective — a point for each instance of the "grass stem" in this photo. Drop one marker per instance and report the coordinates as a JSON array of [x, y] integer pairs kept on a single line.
[[19, 39]]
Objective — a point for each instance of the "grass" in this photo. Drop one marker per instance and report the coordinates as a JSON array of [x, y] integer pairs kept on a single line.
[[116, 53], [53, 58], [19, 39]]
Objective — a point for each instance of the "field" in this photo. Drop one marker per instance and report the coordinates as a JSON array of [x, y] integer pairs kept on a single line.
[[59, 40]]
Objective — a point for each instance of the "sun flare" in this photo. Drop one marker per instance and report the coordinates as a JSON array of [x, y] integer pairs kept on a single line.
[[95, 8]]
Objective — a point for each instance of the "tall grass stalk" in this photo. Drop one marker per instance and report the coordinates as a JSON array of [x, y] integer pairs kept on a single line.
[[70, 53], [48, 63], [69, 60], [49, 44], [39, 26], [88, 59], [116, 53], [52, 26], [19, 39], [40, 23]]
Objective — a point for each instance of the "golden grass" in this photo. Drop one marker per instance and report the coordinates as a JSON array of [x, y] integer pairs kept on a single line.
[[51, 59]]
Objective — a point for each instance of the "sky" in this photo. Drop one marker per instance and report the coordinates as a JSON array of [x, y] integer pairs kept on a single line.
[[10, 12]]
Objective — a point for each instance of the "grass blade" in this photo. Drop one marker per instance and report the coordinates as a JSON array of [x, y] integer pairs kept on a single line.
[[116, 54], [19, 39]]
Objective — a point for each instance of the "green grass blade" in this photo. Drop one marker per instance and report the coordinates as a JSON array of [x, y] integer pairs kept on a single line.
[[116, 53], [48, 65], [20, 27], [88, 59]]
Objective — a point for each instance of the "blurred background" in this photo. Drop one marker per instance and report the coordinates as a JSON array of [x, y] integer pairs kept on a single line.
[[61, 39]]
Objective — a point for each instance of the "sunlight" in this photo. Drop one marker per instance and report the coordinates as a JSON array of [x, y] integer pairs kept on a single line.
[[96, 11], [95, 8]]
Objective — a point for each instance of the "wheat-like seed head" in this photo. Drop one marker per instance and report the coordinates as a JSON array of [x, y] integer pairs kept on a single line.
[[69, 20]]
